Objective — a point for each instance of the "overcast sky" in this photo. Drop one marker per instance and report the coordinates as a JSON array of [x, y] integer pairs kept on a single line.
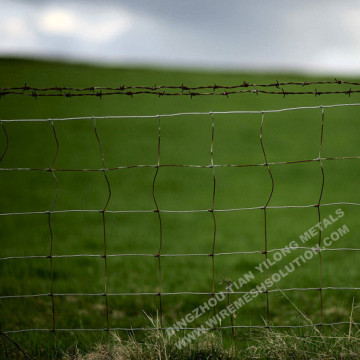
[[306, 35]]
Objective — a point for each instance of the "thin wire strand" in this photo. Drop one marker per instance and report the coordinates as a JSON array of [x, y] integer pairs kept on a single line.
[[6, 141], [185, 165], [52, 234], [234, 112], [177, 211], [158, 255], [265, 218], [315, 249], [156, 294], [104, 224], [319, 213], [213, 205], [190, 328]]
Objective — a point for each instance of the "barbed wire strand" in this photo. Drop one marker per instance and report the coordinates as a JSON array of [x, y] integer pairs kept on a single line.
[[170, 90], [191, 94], [183, 87]]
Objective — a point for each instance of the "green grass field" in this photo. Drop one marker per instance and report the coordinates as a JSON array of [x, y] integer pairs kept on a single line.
[[287, 136]]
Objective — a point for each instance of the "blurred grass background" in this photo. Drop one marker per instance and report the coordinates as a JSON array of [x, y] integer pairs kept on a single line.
[[184, 140]]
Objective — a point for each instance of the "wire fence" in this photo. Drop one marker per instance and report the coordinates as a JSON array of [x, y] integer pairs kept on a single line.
[[184, 90], [213, 211]]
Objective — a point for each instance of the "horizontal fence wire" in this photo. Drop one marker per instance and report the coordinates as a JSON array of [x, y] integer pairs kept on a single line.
[[192, 328], [212, 211], [170, 90], [233, 112], [177, 292]]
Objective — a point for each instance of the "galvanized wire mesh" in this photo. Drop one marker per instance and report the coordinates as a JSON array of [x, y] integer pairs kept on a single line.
[[213, 211]]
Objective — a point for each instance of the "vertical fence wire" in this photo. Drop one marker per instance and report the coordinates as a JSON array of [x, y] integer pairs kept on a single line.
[[319, 214], [6, 141], [104, 224], [212, 207], [265, 219], [51, 231], [158, 254]]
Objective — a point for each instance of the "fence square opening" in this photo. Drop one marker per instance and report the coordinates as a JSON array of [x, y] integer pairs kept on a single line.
[[33, 191], [80, 190], [79, 275], [294, 308], [24, 235], [237, 139], [131, 189], [184, 188], [80, 312], [78, 146], [239, 231], [292, 135], [16, 275], [291, 227], [31, 145], [187, 233], [31, 313], [177, 307], [189, 273], [238, 270], [296, 184], [128, 142], [133, 274], [133, 311], [341, 181], [185, 140], [241, 187], [341, 132], [132, 233], [77, 233], [341, 305]]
